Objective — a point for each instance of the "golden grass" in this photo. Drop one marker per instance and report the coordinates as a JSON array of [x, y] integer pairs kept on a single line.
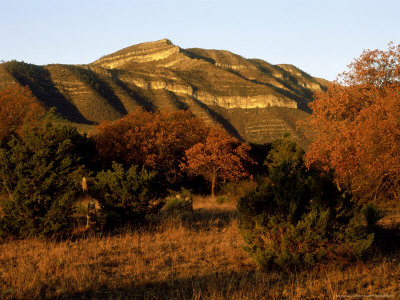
[[191, 256]]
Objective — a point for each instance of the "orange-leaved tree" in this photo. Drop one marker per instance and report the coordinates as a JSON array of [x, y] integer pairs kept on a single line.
[[17, 106], [157, 141], [358, 125], [219, 157]]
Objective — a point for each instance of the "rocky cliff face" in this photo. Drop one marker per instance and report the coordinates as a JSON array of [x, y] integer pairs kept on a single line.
[[142, 53], [250, 97]]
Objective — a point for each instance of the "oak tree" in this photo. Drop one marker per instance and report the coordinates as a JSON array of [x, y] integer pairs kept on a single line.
[[219, 157], [358, 125]]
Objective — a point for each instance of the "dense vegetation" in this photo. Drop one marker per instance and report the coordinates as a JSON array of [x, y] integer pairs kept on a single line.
[[129, 166]]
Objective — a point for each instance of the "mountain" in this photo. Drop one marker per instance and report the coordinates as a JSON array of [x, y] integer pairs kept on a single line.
[[254, 100]]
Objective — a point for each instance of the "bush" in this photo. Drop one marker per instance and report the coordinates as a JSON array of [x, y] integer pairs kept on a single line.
[[298, 218], [179, 202], [126, 196], [41, 171]]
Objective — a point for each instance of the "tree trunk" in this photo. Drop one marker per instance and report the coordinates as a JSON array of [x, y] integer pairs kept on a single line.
[[213, 186]]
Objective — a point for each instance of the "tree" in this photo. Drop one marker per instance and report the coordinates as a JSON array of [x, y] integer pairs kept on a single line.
[[220, 157], [17, 106], [40, 172], [157, 141], [358, 125]]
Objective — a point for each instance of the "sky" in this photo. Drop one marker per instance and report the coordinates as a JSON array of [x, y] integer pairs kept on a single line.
[[320, 37]]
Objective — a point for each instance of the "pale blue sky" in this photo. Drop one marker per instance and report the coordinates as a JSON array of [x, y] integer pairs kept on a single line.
[[321, 37]]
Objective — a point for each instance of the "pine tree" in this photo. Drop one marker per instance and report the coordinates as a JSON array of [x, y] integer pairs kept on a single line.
[[40, 172]]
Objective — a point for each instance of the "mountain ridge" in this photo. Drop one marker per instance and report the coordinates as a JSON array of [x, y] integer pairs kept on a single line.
[[217, 85]]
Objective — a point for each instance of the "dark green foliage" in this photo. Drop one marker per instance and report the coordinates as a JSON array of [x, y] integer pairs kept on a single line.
[[298, 217], [40, 174], [127, 196], [269, 155], [284, 151]]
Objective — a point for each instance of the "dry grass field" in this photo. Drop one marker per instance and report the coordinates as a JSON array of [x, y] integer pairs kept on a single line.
[[188, 256]]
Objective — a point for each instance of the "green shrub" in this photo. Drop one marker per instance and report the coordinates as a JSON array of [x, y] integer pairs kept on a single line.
[[179, 202], [41, 173], [126, 196], [284, 151], [298, 218]]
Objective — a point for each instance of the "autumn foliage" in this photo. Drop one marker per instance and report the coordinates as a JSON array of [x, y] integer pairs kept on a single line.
[[219, 157], [358, 124], [173, 144], [157, 141], [17, 105]]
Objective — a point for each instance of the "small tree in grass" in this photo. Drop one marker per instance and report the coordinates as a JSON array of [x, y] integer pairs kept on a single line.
[[40, 173], [220, 157]]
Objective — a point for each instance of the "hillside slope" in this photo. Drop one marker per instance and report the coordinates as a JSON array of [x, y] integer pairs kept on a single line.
[[253, 99]]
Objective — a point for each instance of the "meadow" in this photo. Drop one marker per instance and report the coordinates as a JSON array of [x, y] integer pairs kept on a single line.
[[183, 255]]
